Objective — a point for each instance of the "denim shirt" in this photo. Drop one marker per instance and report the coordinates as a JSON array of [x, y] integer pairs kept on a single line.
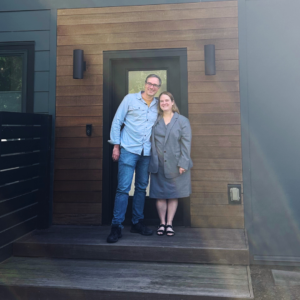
[[138, 119]]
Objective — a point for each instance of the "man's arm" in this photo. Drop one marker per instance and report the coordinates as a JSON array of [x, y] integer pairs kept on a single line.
[[115, 131]]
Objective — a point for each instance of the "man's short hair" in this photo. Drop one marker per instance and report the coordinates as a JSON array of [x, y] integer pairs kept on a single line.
[[155, 76]]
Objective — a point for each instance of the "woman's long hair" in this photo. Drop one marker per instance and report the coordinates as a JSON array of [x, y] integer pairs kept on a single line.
[[174, 106]]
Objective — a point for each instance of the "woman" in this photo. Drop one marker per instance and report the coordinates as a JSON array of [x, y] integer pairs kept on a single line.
[[170, 161]]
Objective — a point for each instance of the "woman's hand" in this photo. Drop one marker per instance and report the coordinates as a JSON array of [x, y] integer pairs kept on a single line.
[[181, 171]]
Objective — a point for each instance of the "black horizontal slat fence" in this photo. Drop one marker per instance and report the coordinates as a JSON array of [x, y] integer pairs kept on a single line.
[[24, 176]]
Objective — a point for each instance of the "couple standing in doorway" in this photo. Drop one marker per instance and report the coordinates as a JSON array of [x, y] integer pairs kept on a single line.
[[155, 139]]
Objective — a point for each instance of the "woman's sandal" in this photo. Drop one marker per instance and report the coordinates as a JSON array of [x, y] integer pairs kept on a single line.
[[170, 232], [161, 231]]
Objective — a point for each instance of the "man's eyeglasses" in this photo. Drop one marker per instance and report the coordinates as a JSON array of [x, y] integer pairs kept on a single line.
[[154, 85]]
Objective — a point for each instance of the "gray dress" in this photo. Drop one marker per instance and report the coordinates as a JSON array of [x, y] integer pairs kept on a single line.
[[160, 186]]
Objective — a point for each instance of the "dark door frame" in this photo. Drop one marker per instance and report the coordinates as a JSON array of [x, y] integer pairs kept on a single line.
[[108, 58]]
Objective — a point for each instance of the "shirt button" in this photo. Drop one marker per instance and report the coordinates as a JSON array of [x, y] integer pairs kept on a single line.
[[165, 161], [165, 151]]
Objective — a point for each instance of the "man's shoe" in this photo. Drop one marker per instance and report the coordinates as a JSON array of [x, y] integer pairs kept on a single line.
[[141, 228], [115, 234]]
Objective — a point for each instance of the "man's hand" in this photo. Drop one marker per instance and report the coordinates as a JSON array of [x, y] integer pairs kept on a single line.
[[181, 171], [116, 153]]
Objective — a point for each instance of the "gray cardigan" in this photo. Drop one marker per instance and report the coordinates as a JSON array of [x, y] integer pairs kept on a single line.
[[177, 147]]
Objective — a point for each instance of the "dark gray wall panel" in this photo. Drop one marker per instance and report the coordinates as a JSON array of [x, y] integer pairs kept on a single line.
[[41, 81], [41, 38], [42, 61], [10, 5], [41, 102], [273, 95], [25, 20]]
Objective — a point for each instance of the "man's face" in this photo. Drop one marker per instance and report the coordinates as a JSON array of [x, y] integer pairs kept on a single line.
[[152, 86]]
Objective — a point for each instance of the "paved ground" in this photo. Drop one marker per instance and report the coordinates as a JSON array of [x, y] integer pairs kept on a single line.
[[264, 287]]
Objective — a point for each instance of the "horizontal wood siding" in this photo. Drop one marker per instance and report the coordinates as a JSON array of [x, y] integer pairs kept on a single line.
[[214, 104]]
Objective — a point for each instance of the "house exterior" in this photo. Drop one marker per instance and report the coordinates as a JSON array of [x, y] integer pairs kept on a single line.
[[244, 119]]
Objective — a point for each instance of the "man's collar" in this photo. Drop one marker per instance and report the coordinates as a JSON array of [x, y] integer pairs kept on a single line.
[[141, 97]]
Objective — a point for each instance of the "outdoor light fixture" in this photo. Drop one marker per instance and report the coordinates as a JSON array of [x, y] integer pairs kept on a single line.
[[79, 65], [210, 60], [234, 194]]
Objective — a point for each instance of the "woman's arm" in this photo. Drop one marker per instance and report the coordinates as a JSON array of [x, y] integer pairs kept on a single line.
[[185, 144]]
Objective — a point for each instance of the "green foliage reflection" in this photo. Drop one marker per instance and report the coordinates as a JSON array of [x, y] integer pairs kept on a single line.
[[136, 80]]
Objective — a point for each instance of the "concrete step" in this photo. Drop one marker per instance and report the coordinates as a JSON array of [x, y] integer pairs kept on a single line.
[[189, 245], [60, 279]]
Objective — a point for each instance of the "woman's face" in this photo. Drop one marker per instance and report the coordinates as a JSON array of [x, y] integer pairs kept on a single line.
[[165, 103]]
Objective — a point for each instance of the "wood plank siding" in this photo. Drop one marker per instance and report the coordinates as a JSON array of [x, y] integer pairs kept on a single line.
[[214, 104]]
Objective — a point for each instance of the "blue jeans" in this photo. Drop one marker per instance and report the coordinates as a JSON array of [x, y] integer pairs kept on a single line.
[[128, 162]]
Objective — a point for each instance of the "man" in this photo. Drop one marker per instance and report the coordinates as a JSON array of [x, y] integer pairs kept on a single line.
[[132, 150]]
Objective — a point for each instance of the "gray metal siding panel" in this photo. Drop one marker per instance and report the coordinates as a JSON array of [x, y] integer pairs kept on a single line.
[[41, 38], [41, 102], [25, 20], [42, 61], [273, 99], [41, 81]]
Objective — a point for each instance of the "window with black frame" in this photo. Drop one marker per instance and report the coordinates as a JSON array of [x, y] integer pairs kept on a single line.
[[16, 77]]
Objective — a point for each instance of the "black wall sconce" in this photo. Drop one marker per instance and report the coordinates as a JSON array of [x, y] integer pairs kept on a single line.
[[210, 60], [79, 65]]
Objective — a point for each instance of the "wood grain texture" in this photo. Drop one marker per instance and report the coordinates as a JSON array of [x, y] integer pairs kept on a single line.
[[77, 197], [216, 152], [223, 54], [79, 100], [78, 175], [199, 129], [77, 131], [74, 111], [221, 65], [216, 175], [125, 17], [217, 210], [217, 164], [90, 69], [214, 101], [80, 186], [77, 219], [216, 141], [105, 10], [190, 44], [211, 186], [89, 79], [209, 198], [213, 87], [217, 222], [215, 108], [79, 90], [77, 208], [78, 121], [78, 164], [86, 142], [139, 37], [216, 119], [231, 97], [89, 59], [178, 25], [222, 76], [78, 153]]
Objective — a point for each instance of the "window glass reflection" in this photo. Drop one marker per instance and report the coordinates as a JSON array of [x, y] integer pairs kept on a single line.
[[11, 70]]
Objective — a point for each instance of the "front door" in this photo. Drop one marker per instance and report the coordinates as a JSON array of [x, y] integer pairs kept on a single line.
[[127, 75]]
